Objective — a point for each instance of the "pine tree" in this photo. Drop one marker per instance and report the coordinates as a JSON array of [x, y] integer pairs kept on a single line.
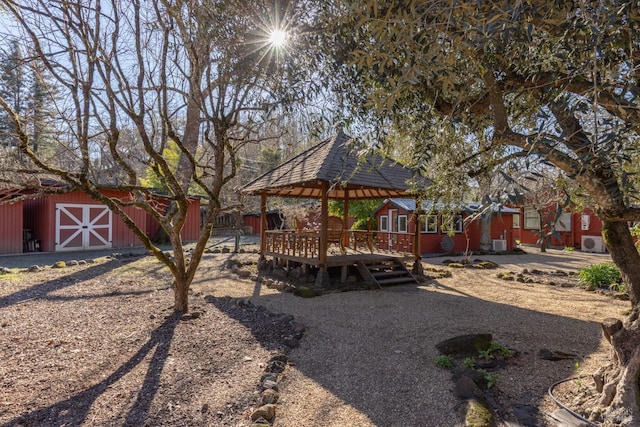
[[13, 85]]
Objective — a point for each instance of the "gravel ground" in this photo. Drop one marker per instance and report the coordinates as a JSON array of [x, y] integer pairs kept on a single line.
[[96, 344]]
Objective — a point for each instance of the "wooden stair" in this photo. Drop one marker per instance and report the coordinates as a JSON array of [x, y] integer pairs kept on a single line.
[[387, 272]]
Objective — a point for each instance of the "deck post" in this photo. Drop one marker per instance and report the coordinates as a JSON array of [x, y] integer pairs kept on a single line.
[[345, 220], [322, 279], [263, 223], [417, 252]]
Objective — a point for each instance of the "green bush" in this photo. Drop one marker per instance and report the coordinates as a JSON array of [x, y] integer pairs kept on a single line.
[[603, 276], [444, 361]]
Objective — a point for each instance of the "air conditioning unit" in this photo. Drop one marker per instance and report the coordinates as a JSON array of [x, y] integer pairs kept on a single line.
[[593, 244], [499, 245]]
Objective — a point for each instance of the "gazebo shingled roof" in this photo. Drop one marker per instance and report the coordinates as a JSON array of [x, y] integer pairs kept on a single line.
[[336, 162]]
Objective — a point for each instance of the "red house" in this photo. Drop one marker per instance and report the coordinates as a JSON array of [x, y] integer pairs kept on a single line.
[[581, 230], [73, 221], [396, 227]]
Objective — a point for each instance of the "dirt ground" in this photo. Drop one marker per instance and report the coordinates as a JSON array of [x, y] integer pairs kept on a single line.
[[97, 343]]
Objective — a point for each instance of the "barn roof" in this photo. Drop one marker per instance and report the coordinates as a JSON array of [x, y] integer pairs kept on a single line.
[[337, 162]]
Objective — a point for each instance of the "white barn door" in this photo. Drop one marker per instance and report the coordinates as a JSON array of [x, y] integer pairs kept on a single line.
[[82, 227]]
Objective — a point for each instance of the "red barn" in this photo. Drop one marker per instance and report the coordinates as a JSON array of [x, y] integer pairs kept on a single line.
[[396, 227], [581, 230], [11, 229], [73, 221]]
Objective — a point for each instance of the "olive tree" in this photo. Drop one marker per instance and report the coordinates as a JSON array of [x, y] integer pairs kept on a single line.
[[555, 82], [133, 77]]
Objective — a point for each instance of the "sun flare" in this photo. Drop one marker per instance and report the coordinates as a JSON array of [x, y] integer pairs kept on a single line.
[[277, 38]]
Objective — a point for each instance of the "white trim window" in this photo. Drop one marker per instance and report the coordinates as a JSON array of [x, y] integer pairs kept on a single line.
[[429, 223], [455, 220], [531, 218], [384, 223], [564, 222], [403, 226], [516, 220]]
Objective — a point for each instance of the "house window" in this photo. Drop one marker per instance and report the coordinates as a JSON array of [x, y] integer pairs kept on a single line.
[[564, 222], [531, 219], [384, 223], [402, 223], [516, 220], [429, 224], [453, 224]]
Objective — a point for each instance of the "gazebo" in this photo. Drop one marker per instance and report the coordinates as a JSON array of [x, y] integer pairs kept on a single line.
[[332, 169]]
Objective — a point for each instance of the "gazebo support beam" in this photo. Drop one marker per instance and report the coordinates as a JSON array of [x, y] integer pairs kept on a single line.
[[417, 269], [263, 223], [322, 279]]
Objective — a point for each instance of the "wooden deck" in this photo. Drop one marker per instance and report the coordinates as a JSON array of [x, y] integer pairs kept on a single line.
[[339, 260]]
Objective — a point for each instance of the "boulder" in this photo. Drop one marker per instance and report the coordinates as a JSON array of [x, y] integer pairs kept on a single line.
[[268, 412], [465, 345]]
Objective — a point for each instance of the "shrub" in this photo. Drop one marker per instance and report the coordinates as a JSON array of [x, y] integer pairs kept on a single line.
[[444, 361], [599, 276]]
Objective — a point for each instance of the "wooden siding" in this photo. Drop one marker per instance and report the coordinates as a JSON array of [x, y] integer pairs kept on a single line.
[[572, 238], [39, 217], [11, 226], [431, 243]]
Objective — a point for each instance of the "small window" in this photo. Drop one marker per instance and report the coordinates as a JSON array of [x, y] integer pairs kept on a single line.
[[402, 223], [531, 219], [564, 222], [384, 223], [516, 220], [429, 224], [453, 223]]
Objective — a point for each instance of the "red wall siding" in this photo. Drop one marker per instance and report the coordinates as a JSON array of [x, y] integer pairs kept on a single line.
[[252, 222], [571, 238], [39, 217], [502, 225], [11, 225]]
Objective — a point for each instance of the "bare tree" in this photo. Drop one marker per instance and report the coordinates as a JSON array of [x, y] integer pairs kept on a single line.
[[135, 75]]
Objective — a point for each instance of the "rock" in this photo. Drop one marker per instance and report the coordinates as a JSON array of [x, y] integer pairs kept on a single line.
[[488, 265], [269, 376], [279, 272], [526, 415], [455, 265], [82, 262], [291, 341], [268, 384], [284, 317], [466, 388], [35, 268], [243, 273], [304, 292], [5, 270], [478, 414], [296, 273], [465, 345], [269, 283], [59, 264], [269, 396], [554, 355], [268, 412], [226, 250]]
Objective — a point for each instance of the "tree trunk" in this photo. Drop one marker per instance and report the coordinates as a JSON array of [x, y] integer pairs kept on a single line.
[[181, 295], [621, 390], [485, 231]]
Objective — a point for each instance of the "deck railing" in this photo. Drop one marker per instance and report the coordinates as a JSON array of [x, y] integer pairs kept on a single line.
[[293, 243], [306, 244]]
